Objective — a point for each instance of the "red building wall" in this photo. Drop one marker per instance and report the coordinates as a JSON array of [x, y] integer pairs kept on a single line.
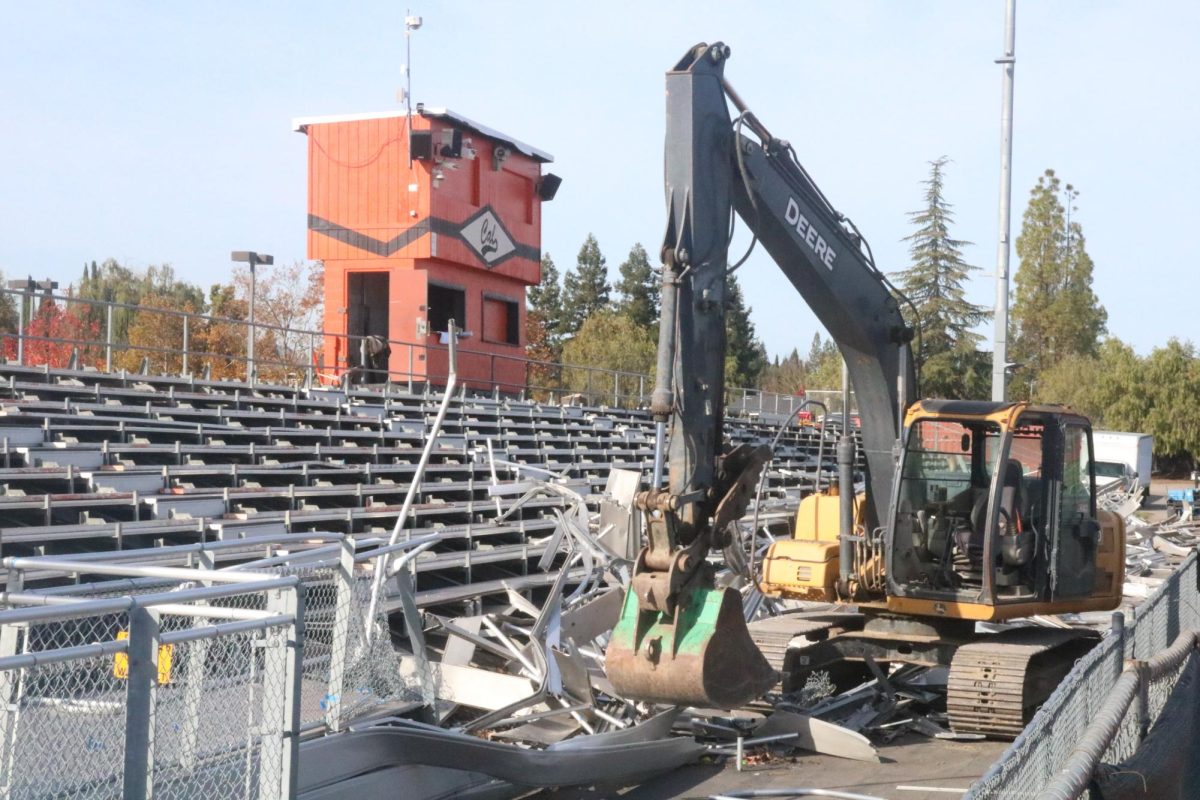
[[470, 223]]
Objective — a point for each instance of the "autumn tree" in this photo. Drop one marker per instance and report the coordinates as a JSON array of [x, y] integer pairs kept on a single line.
[[289, 304], [638, 289], [585, 288], [221, 342], [111, 282], [543, 373], [1055, 313], [49, 320], [157, 333]]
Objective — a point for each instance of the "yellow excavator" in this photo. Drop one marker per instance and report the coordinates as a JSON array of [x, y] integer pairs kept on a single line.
[[970, 512]]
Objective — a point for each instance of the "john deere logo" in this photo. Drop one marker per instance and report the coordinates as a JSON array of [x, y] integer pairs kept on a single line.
[[487, 237]]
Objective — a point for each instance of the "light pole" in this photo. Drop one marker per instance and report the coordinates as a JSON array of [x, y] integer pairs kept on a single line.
[[253, 259], [1000, 337]]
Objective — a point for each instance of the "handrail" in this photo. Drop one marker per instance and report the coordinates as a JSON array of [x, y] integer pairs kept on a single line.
[[608, 383], [1075, 776]]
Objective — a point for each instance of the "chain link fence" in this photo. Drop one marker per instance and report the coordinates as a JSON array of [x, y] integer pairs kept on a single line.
[[181, 694], [1043, 751], [228, 701]]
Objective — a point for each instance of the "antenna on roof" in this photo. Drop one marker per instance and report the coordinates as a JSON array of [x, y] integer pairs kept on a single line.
[[411, 23]]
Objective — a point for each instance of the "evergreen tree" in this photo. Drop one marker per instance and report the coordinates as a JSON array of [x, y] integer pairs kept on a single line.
[[639, 294], [1055, 313], [546, 297], [949, 362], [824, 364], [1170, 388], [585, 288], [745, 356], [786, 375], [611, 341]]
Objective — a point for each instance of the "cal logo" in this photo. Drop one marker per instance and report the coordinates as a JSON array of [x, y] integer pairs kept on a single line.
[[487, 237]]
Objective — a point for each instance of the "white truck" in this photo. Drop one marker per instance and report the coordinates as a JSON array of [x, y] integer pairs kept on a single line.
[[1123, 455]]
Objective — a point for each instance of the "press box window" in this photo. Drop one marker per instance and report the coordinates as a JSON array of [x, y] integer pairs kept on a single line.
[[501, 320], [446, 303]]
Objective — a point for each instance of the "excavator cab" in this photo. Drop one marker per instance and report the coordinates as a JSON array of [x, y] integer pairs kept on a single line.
[[994, 509]]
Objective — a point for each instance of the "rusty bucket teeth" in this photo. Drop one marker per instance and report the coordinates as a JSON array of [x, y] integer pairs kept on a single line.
[[702, 656]]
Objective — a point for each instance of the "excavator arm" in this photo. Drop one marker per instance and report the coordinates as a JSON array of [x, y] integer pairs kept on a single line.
[[679, 639]]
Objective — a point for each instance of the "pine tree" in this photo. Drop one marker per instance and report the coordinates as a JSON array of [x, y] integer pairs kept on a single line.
[[546, 297], [745, 356], [824, 364], [639, 294], [585, 288], [1055, 313], [786, 375], [949, 361]]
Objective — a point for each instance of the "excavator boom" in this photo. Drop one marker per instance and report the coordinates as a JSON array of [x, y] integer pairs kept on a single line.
[[678, 634]]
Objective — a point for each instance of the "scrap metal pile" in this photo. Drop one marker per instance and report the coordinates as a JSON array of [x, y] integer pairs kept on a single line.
[[1153, 550], [515, 698]]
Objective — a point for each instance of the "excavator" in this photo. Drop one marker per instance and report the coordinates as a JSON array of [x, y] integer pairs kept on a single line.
[[971, 512]]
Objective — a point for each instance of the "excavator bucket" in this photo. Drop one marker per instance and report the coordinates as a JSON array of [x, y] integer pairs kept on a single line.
[[700, 656]]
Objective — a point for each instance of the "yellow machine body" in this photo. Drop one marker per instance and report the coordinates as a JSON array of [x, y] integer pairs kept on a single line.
[[805, 567]]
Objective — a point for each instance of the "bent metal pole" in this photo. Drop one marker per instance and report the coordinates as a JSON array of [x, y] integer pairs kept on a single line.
[[381, 563]]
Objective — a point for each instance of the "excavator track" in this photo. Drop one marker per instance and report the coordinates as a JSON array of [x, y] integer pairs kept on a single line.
[[995, 686]]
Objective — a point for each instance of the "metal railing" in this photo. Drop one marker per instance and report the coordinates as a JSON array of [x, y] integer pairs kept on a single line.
[[1062, 740], [63, 331]]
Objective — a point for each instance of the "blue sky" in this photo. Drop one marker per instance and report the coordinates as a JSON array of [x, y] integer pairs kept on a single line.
[[160, 132]]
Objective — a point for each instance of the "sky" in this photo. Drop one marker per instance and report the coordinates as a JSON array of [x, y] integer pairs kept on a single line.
[[161, 132]]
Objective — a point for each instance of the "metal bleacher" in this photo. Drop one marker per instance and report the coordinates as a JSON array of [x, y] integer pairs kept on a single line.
[[96, 461]]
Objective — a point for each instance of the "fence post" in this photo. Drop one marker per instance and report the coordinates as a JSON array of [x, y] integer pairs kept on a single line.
[[343, 577], [186, 342], [1118, 631], [108, 337], [280, 742], [1141, 701], [641, 388], [10, 682], [312, 357], [139, 703], [410, 369], [21, 330], [616, 389], [589, 385], [194, 682]]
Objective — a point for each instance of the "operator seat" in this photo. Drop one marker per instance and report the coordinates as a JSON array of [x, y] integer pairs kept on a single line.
[[1015, 544]]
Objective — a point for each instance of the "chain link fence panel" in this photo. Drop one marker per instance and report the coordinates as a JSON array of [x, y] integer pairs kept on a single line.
[[1030, 763]]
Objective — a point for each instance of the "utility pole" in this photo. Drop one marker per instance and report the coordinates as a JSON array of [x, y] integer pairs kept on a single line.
[[1000, 337]]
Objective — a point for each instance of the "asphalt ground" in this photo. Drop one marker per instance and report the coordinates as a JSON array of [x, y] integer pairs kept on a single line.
[[912, 767]]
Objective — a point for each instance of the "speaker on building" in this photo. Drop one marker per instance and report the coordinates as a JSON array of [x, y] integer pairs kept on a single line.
[[548, 186], [420, 145]]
